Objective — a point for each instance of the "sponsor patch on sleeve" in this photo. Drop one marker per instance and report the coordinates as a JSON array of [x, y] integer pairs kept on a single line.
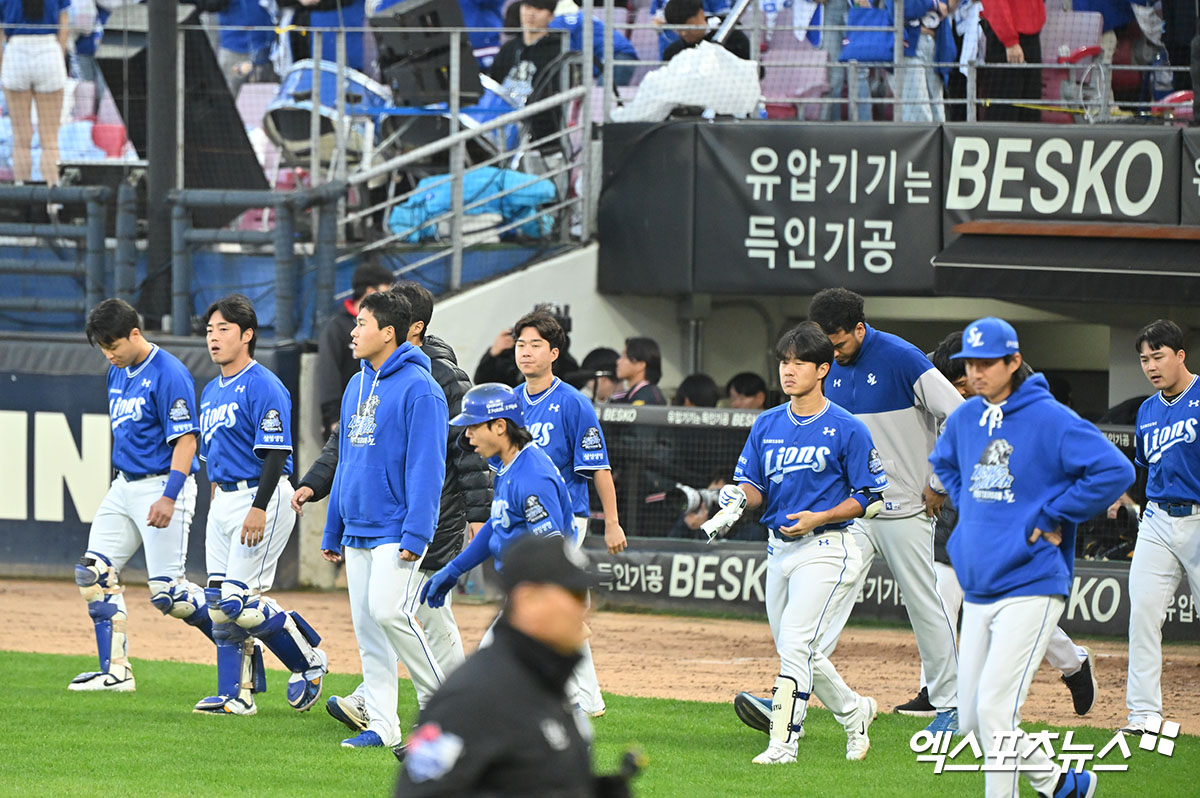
[[534, 510], [431, 753], [179, 411], [591, 440], [271, 422]]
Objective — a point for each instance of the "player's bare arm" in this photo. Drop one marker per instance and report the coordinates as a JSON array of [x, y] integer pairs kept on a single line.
[[614, 535], [181, 460], [806, 521]]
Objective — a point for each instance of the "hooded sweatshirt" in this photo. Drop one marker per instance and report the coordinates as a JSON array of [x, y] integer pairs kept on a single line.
[[1028, 462], [391, 456]]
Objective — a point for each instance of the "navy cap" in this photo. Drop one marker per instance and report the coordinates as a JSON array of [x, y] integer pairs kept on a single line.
[[544, 560], [988, 338]]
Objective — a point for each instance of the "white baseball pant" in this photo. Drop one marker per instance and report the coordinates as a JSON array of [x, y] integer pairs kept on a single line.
[[583, 688], [227, 556]]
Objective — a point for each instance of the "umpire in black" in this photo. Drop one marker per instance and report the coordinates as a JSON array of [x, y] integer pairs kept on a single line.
[[466, 493], [500, 725]]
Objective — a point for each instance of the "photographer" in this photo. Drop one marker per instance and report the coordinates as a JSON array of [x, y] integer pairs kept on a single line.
[[697, 508], [499, 363]]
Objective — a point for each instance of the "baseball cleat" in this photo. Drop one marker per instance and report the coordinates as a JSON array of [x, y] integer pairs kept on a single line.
[[1076, 784], [1135, 729], [224, 705], [857, 741], [364, 739], [918, 707], [351, 710], [755, 712], [777, 753], [400, 752], [1082, 684], [114, 681], [946, 721], [304, 689]]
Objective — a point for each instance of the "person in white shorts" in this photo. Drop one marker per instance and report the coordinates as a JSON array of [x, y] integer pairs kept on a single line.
[[33, 66]]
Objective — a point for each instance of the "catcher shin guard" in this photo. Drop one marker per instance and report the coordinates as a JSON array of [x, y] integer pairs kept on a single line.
[[237, 673], [787, 710], [180, 598], [98, 584], [293, 641]]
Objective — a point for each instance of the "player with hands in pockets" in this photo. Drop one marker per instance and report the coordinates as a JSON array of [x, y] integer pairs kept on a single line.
[[246, 443], [150, 503], [1023, 471], [815, 469]]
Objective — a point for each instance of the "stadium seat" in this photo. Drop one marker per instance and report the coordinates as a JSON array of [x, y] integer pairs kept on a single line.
[[1063, 34], [793, 69]]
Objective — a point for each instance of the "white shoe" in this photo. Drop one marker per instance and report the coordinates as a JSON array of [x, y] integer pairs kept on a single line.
[[118, 679], [777, 753], [857, 741], [224, 705]]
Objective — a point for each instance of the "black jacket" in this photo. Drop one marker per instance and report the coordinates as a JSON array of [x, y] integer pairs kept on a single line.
[[503, 368], [467, 491], [500, 725], [336, 364]]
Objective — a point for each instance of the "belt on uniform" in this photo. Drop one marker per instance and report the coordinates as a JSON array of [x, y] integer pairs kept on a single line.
[[1179, 510], [128, 477], [244, 484], [782, 538]]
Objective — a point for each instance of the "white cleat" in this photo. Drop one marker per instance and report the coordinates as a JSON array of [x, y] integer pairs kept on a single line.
[[777, 754], [117, 680], [857, 741], [224, 705]]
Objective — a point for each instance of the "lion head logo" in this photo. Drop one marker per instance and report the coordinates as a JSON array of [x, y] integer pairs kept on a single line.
[[997, 453]]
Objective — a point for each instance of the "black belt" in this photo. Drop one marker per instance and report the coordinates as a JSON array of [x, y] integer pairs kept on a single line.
[[125, 475], [782, 538], [243, 484], [1179, 510]]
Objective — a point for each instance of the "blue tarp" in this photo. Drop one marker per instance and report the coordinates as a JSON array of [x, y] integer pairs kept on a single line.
[[478, 184]]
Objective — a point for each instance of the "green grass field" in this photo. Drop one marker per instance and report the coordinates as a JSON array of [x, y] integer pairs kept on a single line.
[[148, 743]]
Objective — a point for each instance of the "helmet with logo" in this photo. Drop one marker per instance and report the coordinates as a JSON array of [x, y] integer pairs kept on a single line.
[[488, 402]]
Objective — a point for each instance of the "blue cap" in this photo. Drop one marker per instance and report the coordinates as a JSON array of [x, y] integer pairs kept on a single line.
[[487, 402], [988, 338]]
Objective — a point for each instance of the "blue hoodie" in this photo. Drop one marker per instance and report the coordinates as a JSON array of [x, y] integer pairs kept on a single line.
[[391, 456], [1024, 463]]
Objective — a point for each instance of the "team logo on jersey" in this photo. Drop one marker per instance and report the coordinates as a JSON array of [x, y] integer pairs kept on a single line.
[[874, 462], [271, 422], [361, 429], [122, 410], [499, 512], [534, 511], [431, 753], [837, 383], [553, 408], [214, 418], [591, 440], [830, 431], [786, 459], [1156, 442], [541, 433], [179, 411], [871, 379], [991, 481]]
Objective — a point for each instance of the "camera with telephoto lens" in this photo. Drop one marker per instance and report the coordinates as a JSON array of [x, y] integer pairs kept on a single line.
[[692, 499], [561, 314]]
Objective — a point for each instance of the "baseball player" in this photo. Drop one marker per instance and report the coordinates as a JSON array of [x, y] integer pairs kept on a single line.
[[383, 508], [246, 443], [1168, 542], [152, 406], [563, 424], [1023, 471], [815, 468]]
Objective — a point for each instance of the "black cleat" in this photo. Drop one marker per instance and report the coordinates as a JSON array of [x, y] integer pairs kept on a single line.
[[1082, 685], [919, 707]]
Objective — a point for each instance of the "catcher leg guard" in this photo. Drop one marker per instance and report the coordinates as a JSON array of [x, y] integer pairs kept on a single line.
[[180, 598], [98, 584], [293, 641], [236, 676]]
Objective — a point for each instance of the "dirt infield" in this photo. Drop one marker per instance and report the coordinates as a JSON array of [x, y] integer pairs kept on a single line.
[[638, 655]]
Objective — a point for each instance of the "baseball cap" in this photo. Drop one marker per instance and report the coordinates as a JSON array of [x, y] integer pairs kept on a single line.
[[987, 338], [600, 362], [544, 560]]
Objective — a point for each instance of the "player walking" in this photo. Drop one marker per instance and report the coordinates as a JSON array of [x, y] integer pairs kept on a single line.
[[815, 468], [1023, 471], [383, 508], [564, 425], [1168, 542], [152, 406], [246, 443]]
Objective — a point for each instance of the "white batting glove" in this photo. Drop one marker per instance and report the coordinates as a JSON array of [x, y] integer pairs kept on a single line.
[[732, 501], [732, 495]]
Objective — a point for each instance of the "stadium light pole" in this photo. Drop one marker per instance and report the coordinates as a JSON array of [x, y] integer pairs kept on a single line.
[[161, 42]]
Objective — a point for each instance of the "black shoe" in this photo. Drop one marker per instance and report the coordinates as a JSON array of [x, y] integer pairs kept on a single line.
[[919, 707], [755, 712], [400, 752], [1082, 685]]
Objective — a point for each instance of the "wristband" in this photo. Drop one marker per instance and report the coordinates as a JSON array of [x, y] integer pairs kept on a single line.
[[175, 481]]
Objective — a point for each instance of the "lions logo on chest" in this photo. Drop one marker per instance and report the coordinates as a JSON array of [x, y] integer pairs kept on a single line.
[[991, 480], [361, 429]]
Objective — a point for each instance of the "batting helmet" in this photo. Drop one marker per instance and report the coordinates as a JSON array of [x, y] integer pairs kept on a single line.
[[488, 402]]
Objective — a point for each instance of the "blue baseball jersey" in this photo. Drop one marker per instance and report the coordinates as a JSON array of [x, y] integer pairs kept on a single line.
[[150, 405], [808, 462], [563, 423], [529, 498], [1166, 446], [241, 416]]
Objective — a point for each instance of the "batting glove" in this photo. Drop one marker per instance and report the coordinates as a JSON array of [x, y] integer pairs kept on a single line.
[[434, 591], [732, 501]]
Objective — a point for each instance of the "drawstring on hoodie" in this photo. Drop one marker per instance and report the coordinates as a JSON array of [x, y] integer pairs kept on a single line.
[[993, 415], [358, 410]]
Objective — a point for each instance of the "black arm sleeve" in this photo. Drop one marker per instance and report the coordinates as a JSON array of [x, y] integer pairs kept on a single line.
[[319, 476], [271, 472]]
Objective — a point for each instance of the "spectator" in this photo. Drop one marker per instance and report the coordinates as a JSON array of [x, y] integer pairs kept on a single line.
[[712, 8], [523, 64], [697, 390], [334, 16], [926, 40], [640, 367], [86, 70], [691, 12], [834, 15], [597, 375], [567, 18], [687, 526], [336, 361], [499, 363], [747, 391], [33, 65], [243, 52], [1011, 30]]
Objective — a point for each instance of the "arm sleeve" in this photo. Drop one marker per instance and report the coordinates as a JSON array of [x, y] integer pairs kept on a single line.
[[319, 476], [944, 464], [864, 467], [272, 418], [936, 394], [998, 14], [329, 373], [272, 470], [749, 464], [476, 553], [424, 469], [543, 507], [588, 449], [176, 404], [1100, 475], [331, 538]]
